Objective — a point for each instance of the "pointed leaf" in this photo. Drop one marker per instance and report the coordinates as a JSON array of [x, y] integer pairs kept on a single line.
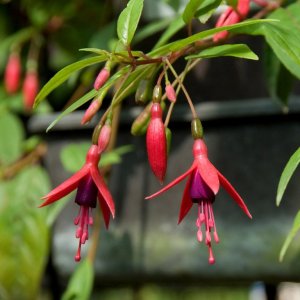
[[64, 74], [128, 21], [190, 10], [234, 194], [291, 235], [174, 182], [186, 203], [235, 50], [206, 9], [287, 174], [81, 283]]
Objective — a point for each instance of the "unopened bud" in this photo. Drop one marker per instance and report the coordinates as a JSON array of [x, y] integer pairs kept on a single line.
[[91, 111], [169, 139], [30, 89], [157, 93], [104, 137], [101, 78], [12, 73], [170, 92], [197, 129], [142, 91]]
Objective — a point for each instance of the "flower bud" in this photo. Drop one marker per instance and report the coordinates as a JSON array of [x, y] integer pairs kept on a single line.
[[142, 91], [12, 73], [169, 139], [197, 129], [101, 78], [104, 137], [141, 122], [156, 97], [91, 111], [156, 143], [170, 92], [30, 89]]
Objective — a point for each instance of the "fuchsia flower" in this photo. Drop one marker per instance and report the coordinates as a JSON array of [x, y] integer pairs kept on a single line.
[[231, 16], [90, 186], [202, 186], [12, 73], [156, 143]]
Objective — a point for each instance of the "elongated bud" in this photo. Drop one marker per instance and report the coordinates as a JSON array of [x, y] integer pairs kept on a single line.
[[30, 89], [157, 93], [101, 78], [104, 137], [91, 111], [156, 143], [142, 91], [197, 129], [170, 92], [169, 139], [12, 73]]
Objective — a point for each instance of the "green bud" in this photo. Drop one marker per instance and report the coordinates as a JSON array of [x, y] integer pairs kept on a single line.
[[197, 129], [141, 122], [169, 139], [157, 93], [142, 91]]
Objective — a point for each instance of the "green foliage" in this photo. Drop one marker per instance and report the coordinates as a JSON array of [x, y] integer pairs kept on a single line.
[[207, 8], [291, 236], [73, 156], [128, 21], [279, 79], [235, 50], [81, 282], [24, 234], [190, 10], [11, 137], [287, 174]]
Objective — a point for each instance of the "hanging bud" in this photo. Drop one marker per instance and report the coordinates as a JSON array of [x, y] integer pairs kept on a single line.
[[102, 76], [157, 93], [169, 139], [142, 91], [30, 89], [93, 108], [197, 129], [170, 92], [104, 137], [12, 73], [156, 143]]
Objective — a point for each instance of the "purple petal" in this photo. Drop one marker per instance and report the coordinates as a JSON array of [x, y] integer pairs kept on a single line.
[[199, 190]]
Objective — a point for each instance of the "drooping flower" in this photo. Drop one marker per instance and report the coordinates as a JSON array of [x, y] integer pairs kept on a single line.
[[30, 88], [12, 73], [202, 186], [156, 143], [231, 16], [90, 185]]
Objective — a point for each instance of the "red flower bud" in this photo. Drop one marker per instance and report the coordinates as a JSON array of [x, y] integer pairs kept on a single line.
[[101, 78], [156, 143], [170, 92], [104, 137], [91, 111], [12, 73], [30, 89]]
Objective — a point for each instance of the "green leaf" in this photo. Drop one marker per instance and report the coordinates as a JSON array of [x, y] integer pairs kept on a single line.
[[73, 156], [236, 50], [151, 29], [11, 137], [206, 9], [287, 174], [91, 94], [96, 51], [232, 3], [64, 74], [279, 79], [177, 45], [81, 283], [128, 21], [190, 10], [290, 237]]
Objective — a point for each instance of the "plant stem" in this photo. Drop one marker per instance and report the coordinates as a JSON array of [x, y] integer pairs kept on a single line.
[[188, 98]]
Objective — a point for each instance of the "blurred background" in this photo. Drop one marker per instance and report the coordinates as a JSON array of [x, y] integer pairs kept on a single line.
[[144, 255]]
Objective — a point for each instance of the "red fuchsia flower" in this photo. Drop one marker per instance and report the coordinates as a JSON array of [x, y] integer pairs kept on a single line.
[[90, 186], [101, 78], [30, 89], [12, 73], [170, 92], [156, 143], [230, 17], [201, 188]]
